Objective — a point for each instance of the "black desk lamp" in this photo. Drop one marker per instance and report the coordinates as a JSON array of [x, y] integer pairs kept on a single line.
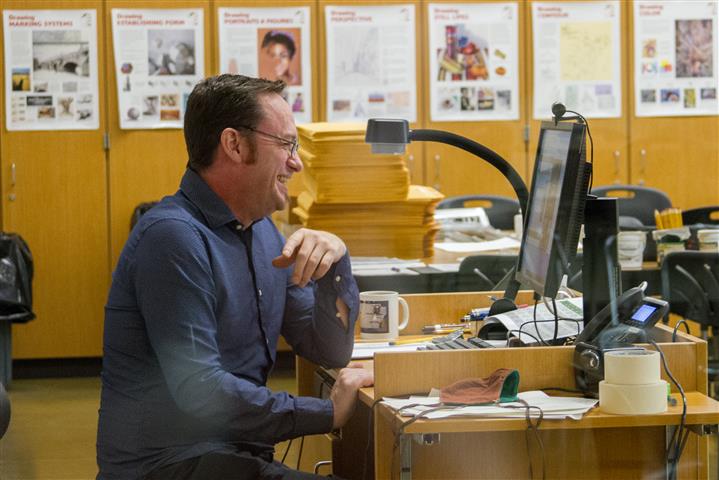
[[391, 135]]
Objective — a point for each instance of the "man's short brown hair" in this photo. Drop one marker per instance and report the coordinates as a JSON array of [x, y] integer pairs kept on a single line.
[[219, 102]]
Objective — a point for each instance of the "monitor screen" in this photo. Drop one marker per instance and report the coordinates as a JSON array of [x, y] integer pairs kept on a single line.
[[555, 209]]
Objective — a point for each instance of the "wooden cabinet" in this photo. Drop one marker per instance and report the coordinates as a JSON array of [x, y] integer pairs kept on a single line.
[[54, 194]]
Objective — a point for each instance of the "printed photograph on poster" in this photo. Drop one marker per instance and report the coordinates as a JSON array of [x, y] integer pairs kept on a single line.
[[60, 55], [694, 48], [171, 52], [280, 55], [464, 55], [359, 61]]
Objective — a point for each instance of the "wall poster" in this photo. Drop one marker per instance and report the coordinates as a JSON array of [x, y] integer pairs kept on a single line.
[[577, 58], [159, 57], [51, 78], [675, 58], [371, 62], [474, 61], [272, 43]]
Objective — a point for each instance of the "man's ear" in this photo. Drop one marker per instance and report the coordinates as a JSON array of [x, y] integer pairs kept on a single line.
[[234, 145]]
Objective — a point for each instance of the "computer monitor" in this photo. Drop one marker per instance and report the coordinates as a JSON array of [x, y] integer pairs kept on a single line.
[[556, 207]]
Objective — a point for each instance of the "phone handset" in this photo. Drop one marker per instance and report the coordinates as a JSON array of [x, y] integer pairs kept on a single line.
[[634, 313]]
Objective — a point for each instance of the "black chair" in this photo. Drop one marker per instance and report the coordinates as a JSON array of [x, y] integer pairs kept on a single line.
[[484, 272], [705, 215], [4, 410], [690, 283], [139, 211], [500, 210], [635, 201]]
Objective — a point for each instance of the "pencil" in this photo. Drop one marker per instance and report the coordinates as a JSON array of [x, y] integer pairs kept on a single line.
[[413, 339]]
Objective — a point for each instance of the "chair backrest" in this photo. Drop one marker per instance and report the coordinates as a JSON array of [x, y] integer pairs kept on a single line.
[[690, 283], [635, 201], [484, 272], [707, 215], [4, 410], [500, 210]]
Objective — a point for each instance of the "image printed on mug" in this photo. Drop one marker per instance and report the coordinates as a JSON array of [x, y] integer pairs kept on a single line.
[[374, 316]]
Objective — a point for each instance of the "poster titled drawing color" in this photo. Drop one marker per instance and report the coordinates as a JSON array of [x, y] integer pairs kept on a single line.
[[371, 62], [675, 58], [51, 69], [272, 43], [473, 61], [577, 58], [159, 57]]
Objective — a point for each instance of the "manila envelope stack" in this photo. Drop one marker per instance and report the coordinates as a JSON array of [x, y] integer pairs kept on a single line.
[[363, 198]]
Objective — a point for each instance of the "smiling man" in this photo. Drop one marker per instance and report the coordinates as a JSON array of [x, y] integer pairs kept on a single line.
[[203, 289]]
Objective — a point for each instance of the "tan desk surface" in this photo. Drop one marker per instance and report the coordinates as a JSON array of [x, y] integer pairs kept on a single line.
[[701, 410]]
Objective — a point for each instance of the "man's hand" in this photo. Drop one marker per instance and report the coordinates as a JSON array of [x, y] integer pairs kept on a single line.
[[313, 252], [344, 391]]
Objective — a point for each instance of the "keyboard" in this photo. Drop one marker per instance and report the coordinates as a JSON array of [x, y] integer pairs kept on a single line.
[[458, 344]]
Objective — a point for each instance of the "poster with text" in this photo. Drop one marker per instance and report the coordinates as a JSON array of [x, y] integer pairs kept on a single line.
[[272, 43], [675, 58], [577, 58], [473, 61], [159, 57], [371, 62], [51, 70]]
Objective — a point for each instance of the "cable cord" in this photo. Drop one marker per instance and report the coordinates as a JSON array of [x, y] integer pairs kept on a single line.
[[287, 450], [676, 327], [681, 434], [299, 455], [591, 145]]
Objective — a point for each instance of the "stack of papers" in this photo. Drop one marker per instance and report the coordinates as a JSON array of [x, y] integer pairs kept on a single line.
[[552, 407], [375, 266], [340, 167]]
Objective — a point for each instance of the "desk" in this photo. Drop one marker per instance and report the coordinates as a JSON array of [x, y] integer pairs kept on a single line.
[[598, 446]]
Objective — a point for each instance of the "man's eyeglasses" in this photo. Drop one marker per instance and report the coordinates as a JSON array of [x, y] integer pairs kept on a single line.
[[293, 144]]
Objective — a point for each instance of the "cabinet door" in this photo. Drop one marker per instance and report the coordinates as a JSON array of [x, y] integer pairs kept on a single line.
[[415, 150], [610, 135], [144, 165], [678, 155], [54, 195], [456, 172]]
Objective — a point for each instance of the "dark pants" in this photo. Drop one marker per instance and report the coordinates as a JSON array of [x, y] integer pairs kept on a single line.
[[229, 465]]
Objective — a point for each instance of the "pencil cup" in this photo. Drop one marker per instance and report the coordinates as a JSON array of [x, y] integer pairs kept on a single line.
[[379, 315], [630, 248], [670, 240]]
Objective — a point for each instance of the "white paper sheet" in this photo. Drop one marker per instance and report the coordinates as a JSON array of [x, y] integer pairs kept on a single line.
[[676, 52], [51, 78], [272, 43], [159, 57], [371, 62], [461, 247], [474, 61], [577, 58]]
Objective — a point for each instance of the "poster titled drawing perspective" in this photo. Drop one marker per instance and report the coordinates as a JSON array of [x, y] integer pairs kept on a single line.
[[473, 61], [159, 57], [371, 62], [675, 58], [51, 69], [271, 43], [577, 59]]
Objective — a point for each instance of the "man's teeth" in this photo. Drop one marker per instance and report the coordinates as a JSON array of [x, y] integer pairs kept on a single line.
[[283, 178]]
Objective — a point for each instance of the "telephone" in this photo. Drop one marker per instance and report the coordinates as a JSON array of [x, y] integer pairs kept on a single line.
[[635, 314]]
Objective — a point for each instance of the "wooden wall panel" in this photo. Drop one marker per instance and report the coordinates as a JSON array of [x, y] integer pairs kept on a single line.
[[58, 203]]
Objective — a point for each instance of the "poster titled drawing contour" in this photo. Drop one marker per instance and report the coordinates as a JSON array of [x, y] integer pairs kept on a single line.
[[159, 57], [51, 69], [577, 59], [371, 62]]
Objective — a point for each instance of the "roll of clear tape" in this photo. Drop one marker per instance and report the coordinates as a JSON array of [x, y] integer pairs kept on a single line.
[[633, 399], [632, 367]]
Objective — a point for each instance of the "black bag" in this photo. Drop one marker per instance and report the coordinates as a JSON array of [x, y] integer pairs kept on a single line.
[[16, 271]]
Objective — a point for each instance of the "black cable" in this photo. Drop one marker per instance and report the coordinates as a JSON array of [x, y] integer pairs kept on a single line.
[[676, 327], [556, 321], [561, 389], [679, 437], [520, 332], [287, 450], [534, 319], [299, 455]]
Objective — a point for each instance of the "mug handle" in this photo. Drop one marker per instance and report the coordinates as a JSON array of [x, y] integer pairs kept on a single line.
[[405, 313]]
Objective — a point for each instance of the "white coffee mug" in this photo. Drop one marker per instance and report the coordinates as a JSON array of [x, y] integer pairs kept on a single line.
[[630, 247], [379, 315]]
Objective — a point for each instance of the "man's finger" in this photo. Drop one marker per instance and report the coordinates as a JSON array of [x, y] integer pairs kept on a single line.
[[283, 262], [293, 242]]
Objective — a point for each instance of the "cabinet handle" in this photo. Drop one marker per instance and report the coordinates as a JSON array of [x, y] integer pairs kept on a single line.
[[12, 174], [437, 165], [617, 167], [11, 197], [642, 165]]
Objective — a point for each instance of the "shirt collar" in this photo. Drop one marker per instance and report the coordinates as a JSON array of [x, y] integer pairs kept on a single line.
[[212, 207]]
